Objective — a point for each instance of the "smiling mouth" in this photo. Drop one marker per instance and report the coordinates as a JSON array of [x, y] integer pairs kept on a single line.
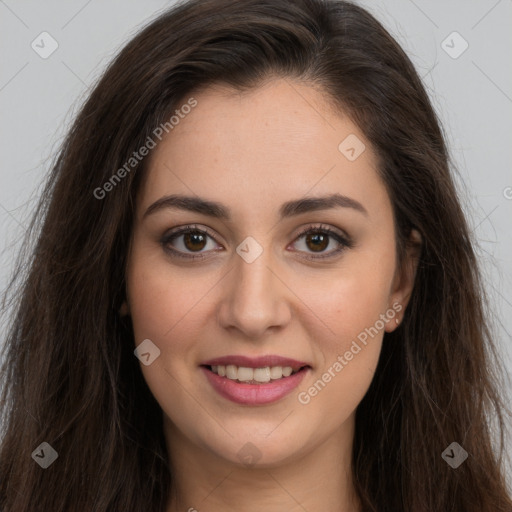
[[246, 375]]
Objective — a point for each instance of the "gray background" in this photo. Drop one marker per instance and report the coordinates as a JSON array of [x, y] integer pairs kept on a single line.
[[472, 94]]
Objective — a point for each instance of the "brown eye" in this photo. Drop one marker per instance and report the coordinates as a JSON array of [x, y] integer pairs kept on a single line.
[[194, 241], [318, 239], [317, 242], [186, 241]]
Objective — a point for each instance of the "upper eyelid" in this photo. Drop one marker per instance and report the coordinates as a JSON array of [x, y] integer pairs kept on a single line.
[[323, 227]]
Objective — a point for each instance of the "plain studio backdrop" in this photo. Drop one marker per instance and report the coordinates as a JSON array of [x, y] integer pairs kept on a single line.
[[459, 48]]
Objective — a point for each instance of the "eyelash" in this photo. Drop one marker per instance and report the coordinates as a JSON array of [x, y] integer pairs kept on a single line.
[[345, 242]]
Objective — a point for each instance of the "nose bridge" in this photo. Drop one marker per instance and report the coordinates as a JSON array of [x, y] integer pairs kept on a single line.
[[254, 281], [253, 300]]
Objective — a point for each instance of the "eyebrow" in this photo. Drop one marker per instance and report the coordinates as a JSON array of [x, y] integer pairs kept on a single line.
[[288, 209]]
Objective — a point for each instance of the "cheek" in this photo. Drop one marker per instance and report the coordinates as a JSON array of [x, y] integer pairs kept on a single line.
[[351, 301], [348, 332], [161, 296], [166, 308], [171, 309], [348, 356]]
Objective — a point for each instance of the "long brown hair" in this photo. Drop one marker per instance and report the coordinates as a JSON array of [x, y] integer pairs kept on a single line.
[[70, 377]]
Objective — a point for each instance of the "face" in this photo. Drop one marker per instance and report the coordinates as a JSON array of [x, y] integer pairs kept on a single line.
[[267, 281]]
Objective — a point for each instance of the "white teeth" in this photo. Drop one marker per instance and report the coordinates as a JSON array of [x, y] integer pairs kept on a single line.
[[245, 374], [287, 371], [276, 372], [231, 372], [261, 374]]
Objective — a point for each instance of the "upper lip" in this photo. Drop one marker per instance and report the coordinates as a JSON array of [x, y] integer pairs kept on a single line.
[[256, 362]]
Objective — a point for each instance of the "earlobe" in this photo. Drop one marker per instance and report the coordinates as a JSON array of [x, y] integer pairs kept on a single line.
[[124, 310], [394, 315]]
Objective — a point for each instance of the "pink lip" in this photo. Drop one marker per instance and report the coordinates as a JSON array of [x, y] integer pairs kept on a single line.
[[256, 362], [254, 394]]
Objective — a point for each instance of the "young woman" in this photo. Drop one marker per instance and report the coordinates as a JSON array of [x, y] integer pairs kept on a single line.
[[253, 287]]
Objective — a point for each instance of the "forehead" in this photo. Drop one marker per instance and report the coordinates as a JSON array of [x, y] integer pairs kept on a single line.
[[278, 141]]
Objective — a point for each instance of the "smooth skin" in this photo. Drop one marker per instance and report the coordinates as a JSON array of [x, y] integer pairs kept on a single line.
[[252, 152]]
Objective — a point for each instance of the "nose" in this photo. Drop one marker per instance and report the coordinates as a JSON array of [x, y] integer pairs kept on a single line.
[[254, 298]]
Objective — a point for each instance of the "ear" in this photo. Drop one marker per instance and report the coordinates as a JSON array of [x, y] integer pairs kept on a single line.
[[403, 281], [124, 310]]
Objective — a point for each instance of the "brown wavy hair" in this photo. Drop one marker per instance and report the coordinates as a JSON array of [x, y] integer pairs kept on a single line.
[[70, 377]]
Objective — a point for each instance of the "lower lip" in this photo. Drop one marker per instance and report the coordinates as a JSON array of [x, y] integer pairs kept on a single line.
[[254, 394]]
